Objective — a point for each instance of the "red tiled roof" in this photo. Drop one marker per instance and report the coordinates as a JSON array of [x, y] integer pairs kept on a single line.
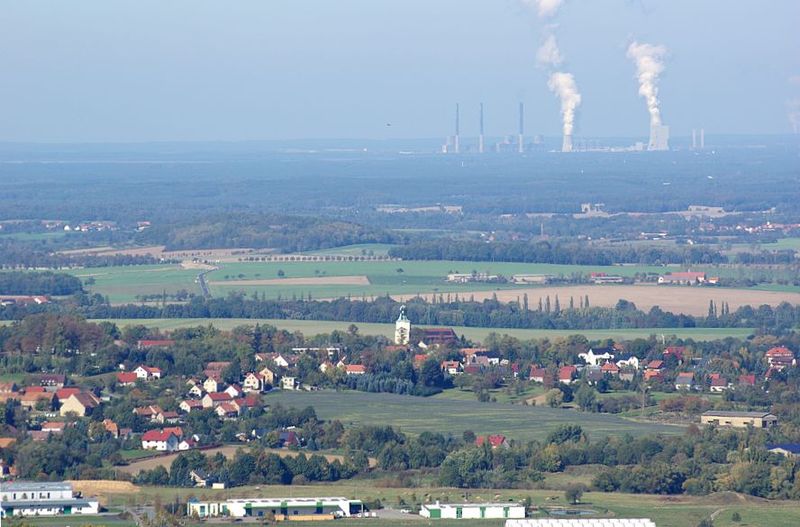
[[154, 343], [64, 393], [127, 377], [355, 368], [748, 379], [496, 440], [158, 435], [567, 372]]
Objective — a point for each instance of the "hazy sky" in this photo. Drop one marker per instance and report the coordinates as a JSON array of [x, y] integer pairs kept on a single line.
[[138, 70]]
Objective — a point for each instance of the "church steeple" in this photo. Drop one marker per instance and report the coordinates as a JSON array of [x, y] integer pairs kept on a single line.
[[402, 328]]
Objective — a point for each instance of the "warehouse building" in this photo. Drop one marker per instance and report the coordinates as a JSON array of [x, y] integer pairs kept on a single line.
[[739, 419], [472, 511], [279, 508], [29, 498]]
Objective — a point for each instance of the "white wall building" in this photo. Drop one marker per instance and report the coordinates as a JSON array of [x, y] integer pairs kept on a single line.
[[472, 511], [280, 508], [29, 498]]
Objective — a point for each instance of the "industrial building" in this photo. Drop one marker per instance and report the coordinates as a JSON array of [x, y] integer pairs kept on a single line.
[[472, 511], [574, 522], [739, 419], [659, 138], [29, 498], [279, 508]]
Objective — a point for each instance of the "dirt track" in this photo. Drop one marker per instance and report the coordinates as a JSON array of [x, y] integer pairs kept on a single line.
[[676, 299], [312, 280]]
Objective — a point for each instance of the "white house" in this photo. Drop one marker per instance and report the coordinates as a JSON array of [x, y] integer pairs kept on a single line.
[[234, 390], [211, 385], [147, 373], [596, 358], [252, 383], [472, 511], [289, 383], [631, 362], [29, 498], [161, 440]]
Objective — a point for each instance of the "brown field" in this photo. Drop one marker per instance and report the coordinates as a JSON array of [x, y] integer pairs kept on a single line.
[[311, 280], [228, 451], [103, 488], [677, 299]]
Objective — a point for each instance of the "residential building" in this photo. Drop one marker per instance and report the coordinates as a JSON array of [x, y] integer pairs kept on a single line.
[[147, 373], [739, 419], [355, 369], [747, 380], [154, 343], [80, 404], [161, 440], [289, 383], [212, 400], [56, 380], [684, 381], [495, 440], [567, 374], [609, 368], [780, 358], [451, 367], [190, 405], [719, 384], [127, 378], [597, 357], [28, 498], [268, 376], [234, 390], [472, 511], [438, 337], [211, 385], [538, 374], [252, 383]]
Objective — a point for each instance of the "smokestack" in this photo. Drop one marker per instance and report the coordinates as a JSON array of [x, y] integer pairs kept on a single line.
[[521, 136], [457, 138], [702, 138], [694, 139], [480, 137]]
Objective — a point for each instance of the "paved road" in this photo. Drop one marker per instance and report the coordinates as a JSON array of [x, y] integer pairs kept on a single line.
[[201, 279]]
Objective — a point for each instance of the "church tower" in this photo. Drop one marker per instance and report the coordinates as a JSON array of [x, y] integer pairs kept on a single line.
[[402, 328]]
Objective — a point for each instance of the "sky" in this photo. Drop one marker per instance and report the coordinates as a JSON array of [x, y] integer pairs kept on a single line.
[[201, 70]]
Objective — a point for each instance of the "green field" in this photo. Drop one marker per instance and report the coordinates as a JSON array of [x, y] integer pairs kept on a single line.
[[313, 327], [453, 416], [366, 249], [122, 284]]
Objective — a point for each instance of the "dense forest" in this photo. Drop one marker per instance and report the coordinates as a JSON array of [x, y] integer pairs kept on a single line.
[[43, 283]]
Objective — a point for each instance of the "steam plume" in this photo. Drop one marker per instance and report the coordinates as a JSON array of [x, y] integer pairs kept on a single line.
[[548, 53], [563, 85], [649, 65]]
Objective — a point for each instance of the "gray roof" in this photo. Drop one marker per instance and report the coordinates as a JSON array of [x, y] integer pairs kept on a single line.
[[34, 486], [719, 413], [19, 504]]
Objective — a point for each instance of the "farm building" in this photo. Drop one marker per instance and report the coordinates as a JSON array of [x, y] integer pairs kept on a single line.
[[280, 508], [472, 511], [573, 522], [739, 419], [28, 498]]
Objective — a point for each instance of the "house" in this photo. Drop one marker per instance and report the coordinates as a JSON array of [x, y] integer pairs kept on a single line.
[[627, 374], [538, 374], [675, 351], [684, 381], [166, 417], [28, 498], [780, 358], [200, 478], [81, 404], [196, 390], [54, 427], [212, 400], [148, 412], [438, 337], [785, 449], [245, 403], [355, 369], [127, 378], [147, 373], [227, 410], [234, 390], [326, 366], [112, 428], [267, 375], [211, 385], [289, 383], [62, 394], [653, 375], [56, 380], [687, 278], [288, 438], [567, 374], [739, 419], [160, 440], [597, 357], [190, 405], [252, 383], [33, 397], [495, 440], [747, 380], [655, 364], [215, 369], [609, 368], [719, 384], [472, 511], [631, 363], [451, 367]]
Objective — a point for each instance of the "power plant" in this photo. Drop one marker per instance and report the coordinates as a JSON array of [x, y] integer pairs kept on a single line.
[[659, 138]]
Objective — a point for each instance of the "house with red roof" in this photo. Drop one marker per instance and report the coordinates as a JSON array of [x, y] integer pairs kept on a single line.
[[212, 400], [609, 368], [127, 378], [62, 394], [719, 384], [451, 367], [747, 380], [81, 404], [675, 351], [655, 364], [653, 375], [780, 358], [148, 412], [567, 374], [495, 440], [161, 440], [154, 343], [355, 369], [538, 374], [190, 405], [684, 381]]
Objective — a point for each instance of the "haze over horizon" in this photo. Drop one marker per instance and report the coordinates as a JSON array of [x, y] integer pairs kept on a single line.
[[208, 71]]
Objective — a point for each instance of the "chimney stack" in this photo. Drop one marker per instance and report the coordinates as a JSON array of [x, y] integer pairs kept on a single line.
[[457, 138], [694, 138], [521, 136], [702, 138], [566, 146]]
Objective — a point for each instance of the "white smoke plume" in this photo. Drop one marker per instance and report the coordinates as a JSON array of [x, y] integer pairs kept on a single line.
[[649, 65], [545, 8], [563, 85], [548, 53], [793, 112]]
